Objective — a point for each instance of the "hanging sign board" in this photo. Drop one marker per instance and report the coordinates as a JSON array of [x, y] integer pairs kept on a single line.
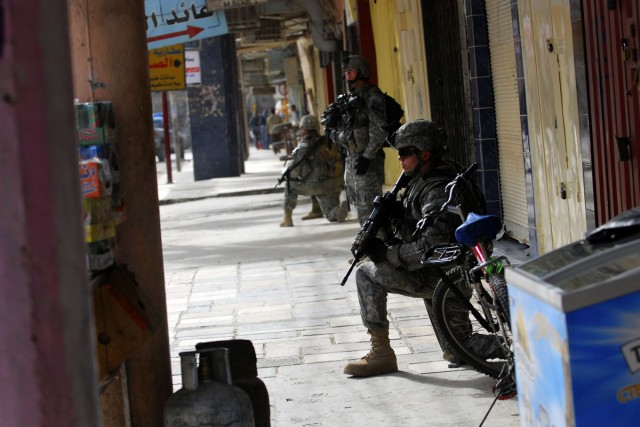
[[232, 4], [166, 68], [192, 63], [171, 22]]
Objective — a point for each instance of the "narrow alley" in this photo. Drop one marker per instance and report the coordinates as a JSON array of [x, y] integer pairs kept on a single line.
[[231, 272]]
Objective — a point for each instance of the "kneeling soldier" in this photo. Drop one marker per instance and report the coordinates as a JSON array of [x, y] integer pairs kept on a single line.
[[316, 170]]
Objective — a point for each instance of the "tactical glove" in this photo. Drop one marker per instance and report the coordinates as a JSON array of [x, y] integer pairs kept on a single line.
[[361, 165], [376, 250]]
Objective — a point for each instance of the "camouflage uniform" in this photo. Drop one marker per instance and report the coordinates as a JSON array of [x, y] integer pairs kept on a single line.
[[317, 171], [395, 265], [402, 273], [362, 136]]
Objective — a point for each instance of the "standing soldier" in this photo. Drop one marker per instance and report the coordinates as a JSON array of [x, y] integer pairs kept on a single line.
[[317, 170], [362, 137]]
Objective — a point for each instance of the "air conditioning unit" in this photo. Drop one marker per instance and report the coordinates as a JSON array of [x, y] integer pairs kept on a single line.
[[242, 19], [270, 30], [255, 79], [257, 65]]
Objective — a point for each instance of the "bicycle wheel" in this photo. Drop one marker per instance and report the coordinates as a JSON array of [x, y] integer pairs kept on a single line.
[[461, 331], [498, 284]]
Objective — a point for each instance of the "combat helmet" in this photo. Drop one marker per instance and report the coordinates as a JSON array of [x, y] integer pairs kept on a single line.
[[422, 134], [360, 63], [309, 122]]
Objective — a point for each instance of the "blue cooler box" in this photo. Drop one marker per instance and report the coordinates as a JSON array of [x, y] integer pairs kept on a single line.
[[575, 316]]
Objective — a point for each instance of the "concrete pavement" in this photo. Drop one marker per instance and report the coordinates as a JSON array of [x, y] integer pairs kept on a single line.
[[232, 272]]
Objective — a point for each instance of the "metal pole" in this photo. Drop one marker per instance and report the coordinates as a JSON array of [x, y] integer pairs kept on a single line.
[[167, 141], [177, 143]]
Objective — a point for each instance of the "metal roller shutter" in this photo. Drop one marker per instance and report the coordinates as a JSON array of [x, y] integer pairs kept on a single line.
[[510, 151]]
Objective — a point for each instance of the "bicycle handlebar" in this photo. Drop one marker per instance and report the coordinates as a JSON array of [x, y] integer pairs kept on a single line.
[[452, 187], [452, 190]]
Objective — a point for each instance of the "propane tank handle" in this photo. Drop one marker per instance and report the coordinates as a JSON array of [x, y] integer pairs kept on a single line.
[[214, 365], [189, 370]]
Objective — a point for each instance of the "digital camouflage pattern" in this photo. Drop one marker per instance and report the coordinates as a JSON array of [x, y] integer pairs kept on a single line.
[[362, 135], [317, 169], [402, 272]]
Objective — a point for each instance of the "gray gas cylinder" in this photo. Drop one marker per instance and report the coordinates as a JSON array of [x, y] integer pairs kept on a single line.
[[244, 374], [207, 396]]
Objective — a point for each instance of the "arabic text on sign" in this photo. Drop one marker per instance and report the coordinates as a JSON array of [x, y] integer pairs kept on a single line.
[[170, 22], [179, 17]]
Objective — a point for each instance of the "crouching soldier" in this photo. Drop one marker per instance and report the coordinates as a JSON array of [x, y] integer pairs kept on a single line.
[[317, 169], [396, 267]]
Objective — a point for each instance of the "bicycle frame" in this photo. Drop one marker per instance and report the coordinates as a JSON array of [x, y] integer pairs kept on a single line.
[[475, 235], [455, 255], [472, 256]]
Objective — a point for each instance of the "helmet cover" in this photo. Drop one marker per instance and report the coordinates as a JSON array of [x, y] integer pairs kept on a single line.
[[309, 122], [424, 135], [360, 63]]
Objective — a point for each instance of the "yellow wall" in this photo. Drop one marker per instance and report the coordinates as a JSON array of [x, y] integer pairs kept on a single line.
[[401, 62], [385, 35], [413, 62], [313, 75]]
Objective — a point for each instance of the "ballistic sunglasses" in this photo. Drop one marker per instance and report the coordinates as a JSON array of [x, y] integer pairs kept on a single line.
[[408, 151]]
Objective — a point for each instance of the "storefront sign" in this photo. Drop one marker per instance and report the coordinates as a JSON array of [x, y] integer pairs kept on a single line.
[[169, 22], [232, 4], [192, 60], [166, 68]]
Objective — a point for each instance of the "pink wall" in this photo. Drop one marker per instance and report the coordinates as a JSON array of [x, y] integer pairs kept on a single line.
[[47, 370]]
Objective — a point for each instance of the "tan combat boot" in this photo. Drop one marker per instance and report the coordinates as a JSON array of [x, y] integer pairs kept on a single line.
[[380, 360], [343, 211], [287, 221], [315, 211]]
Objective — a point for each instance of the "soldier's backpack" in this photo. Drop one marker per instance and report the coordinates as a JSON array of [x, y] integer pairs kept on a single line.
[[472, 199], [328, 154], [394, 113]]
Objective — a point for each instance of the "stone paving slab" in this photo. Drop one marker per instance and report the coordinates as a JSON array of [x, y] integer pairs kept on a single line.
[[232, 273], [406, 398], [326, 333]]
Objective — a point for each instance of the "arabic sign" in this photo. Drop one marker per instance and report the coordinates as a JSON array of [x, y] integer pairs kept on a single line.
[[192, 61], [232, 4], [166, 68], [171, 22]]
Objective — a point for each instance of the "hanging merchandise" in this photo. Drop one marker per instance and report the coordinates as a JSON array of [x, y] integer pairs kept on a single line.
[[124, 318], [102, 203], [95, 123]]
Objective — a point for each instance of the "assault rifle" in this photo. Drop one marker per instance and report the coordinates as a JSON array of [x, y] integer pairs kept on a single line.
[[341, 112], [286, 175], [382, 207]]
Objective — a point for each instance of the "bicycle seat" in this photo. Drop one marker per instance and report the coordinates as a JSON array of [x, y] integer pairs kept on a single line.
[[477, 227]]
